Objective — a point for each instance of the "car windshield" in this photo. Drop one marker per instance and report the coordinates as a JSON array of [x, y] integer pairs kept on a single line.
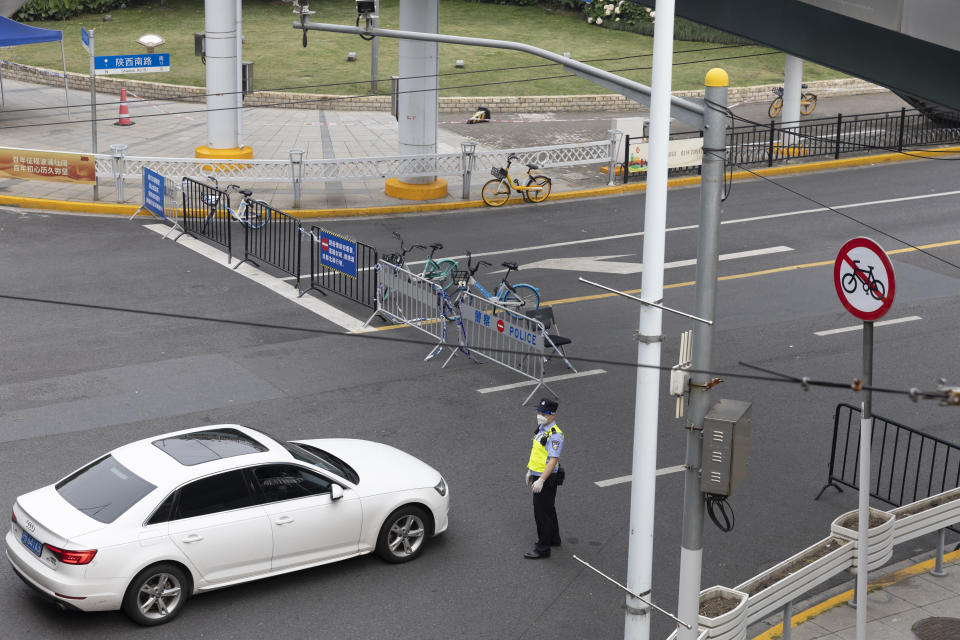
[[104, 489], [322, 459]]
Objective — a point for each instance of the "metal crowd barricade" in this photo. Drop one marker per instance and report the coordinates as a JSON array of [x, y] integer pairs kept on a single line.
[[205, 213], [406, 298], [502, 334], [276, 242], [361, 289], [908, 465]]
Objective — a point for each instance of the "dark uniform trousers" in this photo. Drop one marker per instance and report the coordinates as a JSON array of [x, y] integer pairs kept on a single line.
[[545, 513]]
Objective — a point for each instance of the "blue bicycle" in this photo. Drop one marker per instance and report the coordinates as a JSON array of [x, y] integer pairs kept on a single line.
[[520, 297]]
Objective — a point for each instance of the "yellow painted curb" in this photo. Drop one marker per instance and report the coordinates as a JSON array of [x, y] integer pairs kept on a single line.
[[423, 207], [395, 188], [846, 596], [236, 153]]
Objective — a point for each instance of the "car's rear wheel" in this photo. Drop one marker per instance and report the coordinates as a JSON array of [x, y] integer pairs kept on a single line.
[[157, 594], [402, 535]]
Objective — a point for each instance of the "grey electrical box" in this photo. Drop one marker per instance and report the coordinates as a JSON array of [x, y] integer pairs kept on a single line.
[[247, 77], [726, 444], [199, 45]]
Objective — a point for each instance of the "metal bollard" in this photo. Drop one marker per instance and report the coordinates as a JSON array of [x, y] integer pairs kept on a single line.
[[394, 96], [787, 619], [612, 170], [119, 165], [467, 163], [938, 571], [296, 174]]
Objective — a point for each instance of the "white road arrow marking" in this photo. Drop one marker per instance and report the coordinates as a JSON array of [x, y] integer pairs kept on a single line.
[[603, 264]]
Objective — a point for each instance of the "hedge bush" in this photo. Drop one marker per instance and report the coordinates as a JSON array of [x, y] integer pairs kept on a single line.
[[63, 9]]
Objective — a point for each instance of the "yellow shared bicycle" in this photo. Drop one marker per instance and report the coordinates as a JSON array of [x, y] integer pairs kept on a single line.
[[497, 191]]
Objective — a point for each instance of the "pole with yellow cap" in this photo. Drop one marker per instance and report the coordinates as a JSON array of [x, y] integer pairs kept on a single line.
[[711, 186]]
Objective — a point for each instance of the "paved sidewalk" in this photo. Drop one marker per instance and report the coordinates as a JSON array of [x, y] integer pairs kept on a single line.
[[901, 595]]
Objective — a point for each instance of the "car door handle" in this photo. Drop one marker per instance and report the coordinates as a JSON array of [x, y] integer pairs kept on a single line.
[[283, 520], [193, 537]]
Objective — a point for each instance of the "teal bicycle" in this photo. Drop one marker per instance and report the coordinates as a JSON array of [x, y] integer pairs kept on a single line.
[[440, 271], [520, 297]]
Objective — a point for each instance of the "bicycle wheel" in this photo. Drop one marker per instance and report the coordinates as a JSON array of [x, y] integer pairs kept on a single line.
[[442, 272], [775, 107], [808, 102], [849, 283], [256, 217], [539, 195], [526, 295], [877, 289], [495, 192]]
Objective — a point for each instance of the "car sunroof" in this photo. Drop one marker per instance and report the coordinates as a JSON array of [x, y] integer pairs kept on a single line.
[[203, 446]]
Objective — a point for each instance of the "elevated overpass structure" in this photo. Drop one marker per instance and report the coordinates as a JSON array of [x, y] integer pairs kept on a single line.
[[909, 46]]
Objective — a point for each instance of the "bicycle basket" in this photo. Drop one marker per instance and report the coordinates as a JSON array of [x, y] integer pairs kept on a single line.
[[460, 278], [499, 173], [393, 258]]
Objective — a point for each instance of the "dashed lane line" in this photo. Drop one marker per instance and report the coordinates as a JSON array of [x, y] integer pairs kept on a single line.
[[624, 479], [859, 327], [530, 383]]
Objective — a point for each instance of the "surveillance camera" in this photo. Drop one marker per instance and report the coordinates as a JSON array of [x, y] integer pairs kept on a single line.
[[366, 7]]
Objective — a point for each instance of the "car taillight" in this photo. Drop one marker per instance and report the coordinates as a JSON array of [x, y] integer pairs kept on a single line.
[[72, 557], [13, 516]]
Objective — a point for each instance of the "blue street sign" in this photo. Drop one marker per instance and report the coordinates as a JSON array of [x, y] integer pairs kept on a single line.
[[154, 192], [139, 63], [85, 39], [338, 253]]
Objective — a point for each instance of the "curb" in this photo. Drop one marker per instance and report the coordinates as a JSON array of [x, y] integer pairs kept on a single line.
[[104, 208], [846, 596]]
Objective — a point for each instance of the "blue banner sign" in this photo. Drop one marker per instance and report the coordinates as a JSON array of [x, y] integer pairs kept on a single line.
[[154, 190], [139, 63], [338, 253], [85, 39]]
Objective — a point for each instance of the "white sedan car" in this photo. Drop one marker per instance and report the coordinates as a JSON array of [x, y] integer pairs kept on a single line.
[[155, 521]]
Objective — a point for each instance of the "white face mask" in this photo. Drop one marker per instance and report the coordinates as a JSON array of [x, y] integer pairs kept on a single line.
[[542, 419]]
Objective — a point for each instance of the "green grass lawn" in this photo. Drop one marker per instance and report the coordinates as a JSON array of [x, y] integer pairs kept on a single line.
[[281, 63]]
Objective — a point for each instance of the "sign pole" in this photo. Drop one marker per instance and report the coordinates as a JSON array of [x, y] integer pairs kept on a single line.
[[93, 113], [866, 437]]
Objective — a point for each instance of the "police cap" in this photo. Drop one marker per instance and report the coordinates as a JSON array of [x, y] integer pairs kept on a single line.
[[547, 405]]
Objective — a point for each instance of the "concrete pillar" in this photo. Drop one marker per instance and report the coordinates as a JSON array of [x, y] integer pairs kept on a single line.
[[221, 27], [792, 80], [417, 102]]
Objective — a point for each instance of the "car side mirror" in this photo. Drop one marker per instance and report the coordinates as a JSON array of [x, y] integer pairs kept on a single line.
[[336, 492]]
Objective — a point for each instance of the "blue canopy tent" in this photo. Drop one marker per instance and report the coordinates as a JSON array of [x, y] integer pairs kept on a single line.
[[13, 33]]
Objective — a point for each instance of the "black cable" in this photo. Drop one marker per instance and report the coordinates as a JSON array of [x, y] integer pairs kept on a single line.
[[715, 502], [175, 97], [913, 393]]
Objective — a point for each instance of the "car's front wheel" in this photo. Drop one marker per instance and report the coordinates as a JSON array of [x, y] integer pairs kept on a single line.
[[403, 534], [156, 595]]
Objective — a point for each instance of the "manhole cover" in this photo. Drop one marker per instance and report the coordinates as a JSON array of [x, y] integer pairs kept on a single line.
[[937, 629]]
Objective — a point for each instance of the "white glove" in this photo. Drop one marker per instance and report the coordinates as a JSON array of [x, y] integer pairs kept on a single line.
[[538, 485], [526, 479]]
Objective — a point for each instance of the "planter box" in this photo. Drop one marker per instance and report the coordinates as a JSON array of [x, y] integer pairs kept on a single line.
[[879, 538], [731, 625], [764, 600], [927, 515]]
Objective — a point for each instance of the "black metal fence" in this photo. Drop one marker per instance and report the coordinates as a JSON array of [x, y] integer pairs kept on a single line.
[[274, 241], [906, 464], [832, 137], [361, 289], [206, 213]]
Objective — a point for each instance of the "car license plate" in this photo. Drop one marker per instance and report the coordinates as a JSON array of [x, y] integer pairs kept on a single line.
[[31, 543]]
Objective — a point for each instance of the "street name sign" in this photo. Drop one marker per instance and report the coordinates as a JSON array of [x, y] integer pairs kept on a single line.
[[137, 63], [863, 277], [85, 39]]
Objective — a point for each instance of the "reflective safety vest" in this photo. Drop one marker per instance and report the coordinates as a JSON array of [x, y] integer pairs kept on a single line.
[[538, 452]]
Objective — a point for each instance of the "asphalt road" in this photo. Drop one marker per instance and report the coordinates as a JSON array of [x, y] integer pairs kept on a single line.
[[111, 333]]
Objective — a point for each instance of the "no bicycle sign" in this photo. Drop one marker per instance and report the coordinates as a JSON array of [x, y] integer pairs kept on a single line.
[[863, 276]]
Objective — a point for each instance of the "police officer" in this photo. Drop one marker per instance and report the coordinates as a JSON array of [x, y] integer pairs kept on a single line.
[[541, 477]]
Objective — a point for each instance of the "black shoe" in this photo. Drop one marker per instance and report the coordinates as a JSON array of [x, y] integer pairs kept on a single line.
[[536, 555], [555, 544]]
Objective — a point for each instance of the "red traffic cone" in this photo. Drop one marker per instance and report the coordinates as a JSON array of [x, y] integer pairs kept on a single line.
[[124, 120]]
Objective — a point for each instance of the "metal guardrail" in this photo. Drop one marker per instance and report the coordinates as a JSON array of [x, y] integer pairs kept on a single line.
[[205, 213], [908, 465], [406, 298], [361, 289], [275, 243]]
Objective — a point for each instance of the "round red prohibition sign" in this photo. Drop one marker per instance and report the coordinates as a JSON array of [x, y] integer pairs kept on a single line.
[[500, 326], [863, 276], [325, 244]]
